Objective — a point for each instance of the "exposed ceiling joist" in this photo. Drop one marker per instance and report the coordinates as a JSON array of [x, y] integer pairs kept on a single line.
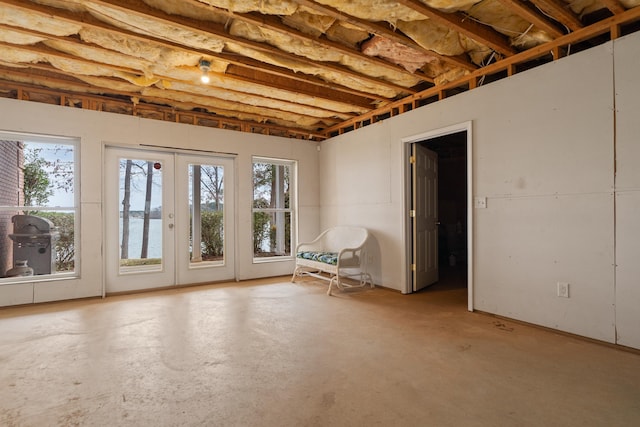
[[461, 23], [89, 21], [296, 80], [561, 12], [77, 91], [93, 63], [252, 75], [533, 15], [209, 28], [384, 31], [274, 24], [614, 6], [307, 84], [62, 82]]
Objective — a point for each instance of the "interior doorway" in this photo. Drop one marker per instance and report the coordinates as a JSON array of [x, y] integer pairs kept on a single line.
[[452, 207], [448, 194]]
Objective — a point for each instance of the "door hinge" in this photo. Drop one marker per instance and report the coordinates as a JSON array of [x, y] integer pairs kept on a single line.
[[412, 213], [412, 159], [413, 267]]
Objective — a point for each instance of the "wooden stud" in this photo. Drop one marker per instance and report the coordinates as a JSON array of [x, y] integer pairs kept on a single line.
[[615, 31]]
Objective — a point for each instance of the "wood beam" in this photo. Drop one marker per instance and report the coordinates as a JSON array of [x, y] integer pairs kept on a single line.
[[560, 12], [208, 28], [96, 102], [55, 80], [386, 32], [233, 72], [92, 64], [325, 114], [88, 21], [614, 6], [461, 23], [249, 64], [257, 76], [533, 15], [275, 24]]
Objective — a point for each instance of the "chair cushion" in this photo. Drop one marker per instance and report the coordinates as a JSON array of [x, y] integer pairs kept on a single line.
[[325, 257]]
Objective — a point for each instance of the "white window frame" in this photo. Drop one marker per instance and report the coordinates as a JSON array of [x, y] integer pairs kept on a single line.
[[53, 140], [292, 209]]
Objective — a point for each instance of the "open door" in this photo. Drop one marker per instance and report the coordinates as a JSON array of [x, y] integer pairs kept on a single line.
[[424, 213]]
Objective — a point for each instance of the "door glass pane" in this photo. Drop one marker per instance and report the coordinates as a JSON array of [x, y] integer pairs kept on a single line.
[[206, 204], [140, 215]]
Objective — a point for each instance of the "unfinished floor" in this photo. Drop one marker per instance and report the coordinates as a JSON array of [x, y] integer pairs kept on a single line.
[[273, 353]]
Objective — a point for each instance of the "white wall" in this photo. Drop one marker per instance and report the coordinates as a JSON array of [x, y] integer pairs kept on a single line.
[[627, 70], [94, 129], [544, 157]]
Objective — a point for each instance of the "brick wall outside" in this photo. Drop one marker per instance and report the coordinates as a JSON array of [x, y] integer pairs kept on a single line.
[[11, 181]]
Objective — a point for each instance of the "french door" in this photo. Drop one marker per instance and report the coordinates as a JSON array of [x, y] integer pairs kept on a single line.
[[169, 219]]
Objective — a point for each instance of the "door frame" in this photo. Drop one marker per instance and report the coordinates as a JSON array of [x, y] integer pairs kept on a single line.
[[407, 196], [173, 151]]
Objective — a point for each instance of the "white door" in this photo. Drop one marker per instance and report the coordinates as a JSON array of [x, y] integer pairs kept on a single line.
[[167, 222], [425, 216], [204, 219]]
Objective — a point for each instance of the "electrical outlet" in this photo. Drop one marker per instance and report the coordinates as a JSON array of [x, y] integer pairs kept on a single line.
[[563, 289], [480, 202]]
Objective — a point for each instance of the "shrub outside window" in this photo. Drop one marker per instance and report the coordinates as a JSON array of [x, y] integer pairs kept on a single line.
[[273, 208]]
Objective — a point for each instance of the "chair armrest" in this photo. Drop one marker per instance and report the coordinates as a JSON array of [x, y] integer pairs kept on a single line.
[[314, 246]]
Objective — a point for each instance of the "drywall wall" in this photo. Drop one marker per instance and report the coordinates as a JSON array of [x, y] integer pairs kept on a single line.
[[95, 129], [543, 156], [627, 70]]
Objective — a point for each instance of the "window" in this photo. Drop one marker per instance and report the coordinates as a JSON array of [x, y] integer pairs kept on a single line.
[[38, 207], [206, 225], [273, 208]]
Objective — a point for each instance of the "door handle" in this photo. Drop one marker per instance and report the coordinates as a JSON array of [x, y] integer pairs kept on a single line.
[[170, 225]]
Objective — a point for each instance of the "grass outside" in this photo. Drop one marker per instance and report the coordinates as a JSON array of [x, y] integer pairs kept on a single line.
[[139, 261]]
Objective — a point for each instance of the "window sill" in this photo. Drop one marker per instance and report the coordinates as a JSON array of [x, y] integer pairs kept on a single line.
[[267, 260]]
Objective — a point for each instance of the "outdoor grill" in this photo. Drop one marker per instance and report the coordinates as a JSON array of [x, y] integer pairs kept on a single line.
[[34, 241]]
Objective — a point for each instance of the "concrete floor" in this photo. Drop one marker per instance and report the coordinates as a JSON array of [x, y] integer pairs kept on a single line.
[[273, 353]]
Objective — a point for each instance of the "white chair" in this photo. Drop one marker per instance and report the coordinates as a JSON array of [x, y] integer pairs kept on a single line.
[[336, 254]]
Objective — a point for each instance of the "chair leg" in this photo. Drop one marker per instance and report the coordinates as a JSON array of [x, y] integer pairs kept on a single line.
[[295, 273], [330, 284]]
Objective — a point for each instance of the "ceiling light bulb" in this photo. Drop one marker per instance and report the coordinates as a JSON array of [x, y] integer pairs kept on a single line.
[[205, 66]]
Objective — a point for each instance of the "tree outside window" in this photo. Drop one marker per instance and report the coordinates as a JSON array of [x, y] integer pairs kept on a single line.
[[273, 204]]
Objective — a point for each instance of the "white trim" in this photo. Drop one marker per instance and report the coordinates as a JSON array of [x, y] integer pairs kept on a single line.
[[461, 127], [103, 252], [37, 137]]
